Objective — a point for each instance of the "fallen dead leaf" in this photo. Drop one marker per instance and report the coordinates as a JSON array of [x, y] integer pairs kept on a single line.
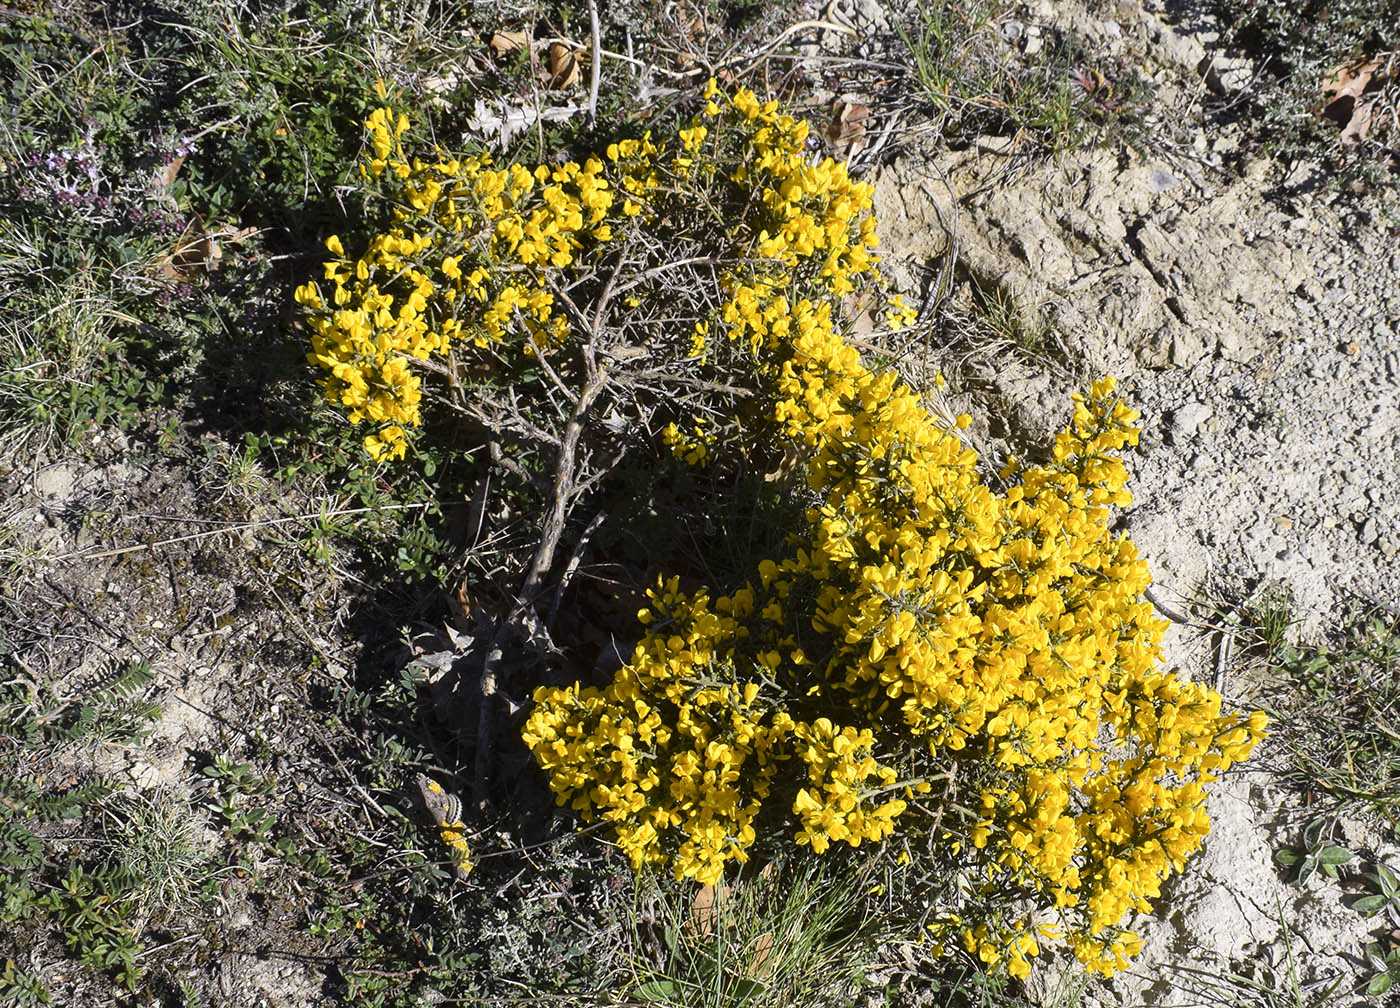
[[1346, 100], [195, 253], [846, 130], [199, 250], [463, 614], [165, 174], [503, 43], [762, 949], [564, 63], [692, 18], [704, 910]]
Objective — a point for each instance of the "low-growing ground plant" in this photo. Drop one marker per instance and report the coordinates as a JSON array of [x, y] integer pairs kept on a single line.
[[1327, 86], [89, 895], [1316, 853], [1342, 738], [981, 72]]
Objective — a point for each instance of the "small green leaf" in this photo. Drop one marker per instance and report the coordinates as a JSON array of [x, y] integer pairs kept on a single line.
[[658, 991], [1389, 882], [1380, 984], [1374, 958], [1287, 857], [1369, 906], [746, 990], [1334, 855]]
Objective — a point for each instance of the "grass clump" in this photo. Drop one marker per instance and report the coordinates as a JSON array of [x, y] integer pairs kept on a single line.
[[795, 935], [980, 72], [1343, 717], [98, 897]]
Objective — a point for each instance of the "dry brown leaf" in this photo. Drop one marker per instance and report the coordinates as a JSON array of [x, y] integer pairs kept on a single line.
[[704, 911], [196, 252], [503, 43], [1345, 98], [462, 612], [237, 236], [692, 20], [846, 130], [564, 64], [200, 250], [1352, 81], [165, 174]]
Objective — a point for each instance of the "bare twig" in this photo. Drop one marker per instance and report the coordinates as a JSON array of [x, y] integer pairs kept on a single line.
[[508, 464], [637, 378], [233, 527], [575, 558], [667, 267], [563, 478]]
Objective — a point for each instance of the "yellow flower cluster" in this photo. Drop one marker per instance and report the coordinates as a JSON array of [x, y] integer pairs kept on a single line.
[[474, 255], [467, 258], [693, 449], [919, 624], [672, 753]]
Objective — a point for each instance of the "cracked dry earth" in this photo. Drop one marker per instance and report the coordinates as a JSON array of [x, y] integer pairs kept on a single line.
[[1259, 336]]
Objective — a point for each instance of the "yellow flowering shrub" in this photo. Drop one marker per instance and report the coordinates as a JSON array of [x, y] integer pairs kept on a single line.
[[926, 653], [936, 626]]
